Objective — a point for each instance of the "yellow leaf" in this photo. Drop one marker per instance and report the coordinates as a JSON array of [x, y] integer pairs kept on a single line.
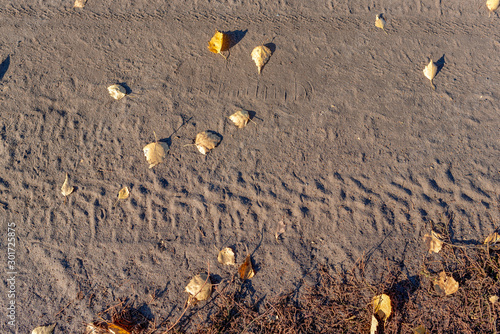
[[382, 306], [433, 242], [380, 22], [200, 287], [66, 189], [445, 284], [374, 325], [226, 256], [44, 329], [124, 193], [219, 42], [115, 329], [430, 72], [492, 238], [420, 330], [240, 118], [492, 5], [206, 141], [79, 3], [493, 299], [155, 152], [260, 56], [246, 270], [117, 91]]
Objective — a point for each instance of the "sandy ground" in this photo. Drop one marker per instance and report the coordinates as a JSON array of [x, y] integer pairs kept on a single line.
[[350, 145]]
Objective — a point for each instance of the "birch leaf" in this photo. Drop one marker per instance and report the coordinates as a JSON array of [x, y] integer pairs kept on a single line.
[[492, 5], [381, 310], [79, 3], [155, 152], [206, 141], [492, 238], [117, 91], [66, 189], [380, 22], [445, 285], [246, 270], [430, 72], [200, 287], [219, 42], [226, 257], [260, 56], [433, 242], [240, 118], [124, 193], [44, 329]]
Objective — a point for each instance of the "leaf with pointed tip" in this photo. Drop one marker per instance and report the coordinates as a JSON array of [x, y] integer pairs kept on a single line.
[[246, 270], [44, 329], [66, 189]]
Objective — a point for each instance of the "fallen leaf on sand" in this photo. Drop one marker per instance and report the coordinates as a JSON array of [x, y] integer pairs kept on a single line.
[[200, 287], [492, 238], [492, 5], [280, 229], [66, 189], [493, 299], [380, 22], [433, 242], [206, 141], [44, 329], [260, 56], [430, 72], [226, 257], [246, 271], [219, 42], [420, 330], [445, 285], [240, 118], [381, 310], [79, 3], [117, 91], [124, 193], [155, 152]]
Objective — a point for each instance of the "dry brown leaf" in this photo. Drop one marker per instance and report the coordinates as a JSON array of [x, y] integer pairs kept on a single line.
[[115, 329], [493, 299], [430, 72], [433, 242], [219, 42], [420, 330], [260, 56], [206, 141], [79, 3], [246, 270], [445, 285], [492, 5], [226, 257], [117, 91], [380, 22], [66, 189], [155, 152], [200, 287], [240, 118], [492, 238], [44, 329]]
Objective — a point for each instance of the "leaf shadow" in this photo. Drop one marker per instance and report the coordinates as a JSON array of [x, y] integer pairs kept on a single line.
[[4, 67], [127, 88], [168, 140], [440, 64], [235, 36]]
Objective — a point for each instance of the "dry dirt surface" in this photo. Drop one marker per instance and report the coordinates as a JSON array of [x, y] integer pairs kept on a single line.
[[349, 145]]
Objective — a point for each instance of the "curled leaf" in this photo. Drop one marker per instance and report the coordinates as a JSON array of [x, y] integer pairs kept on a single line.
[[445, 285], [44, 329], [219, 42], [433, 242], [492, 5], [124, 193], [240, 118], [430, 72], [246, 270], [117, 91], [226, 257], [155, 152], [79, 3], [260, 56], [380, 22], [115, 329], [492, 238], [381, 311], [66, 189], [206, 141], [200, 287]]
